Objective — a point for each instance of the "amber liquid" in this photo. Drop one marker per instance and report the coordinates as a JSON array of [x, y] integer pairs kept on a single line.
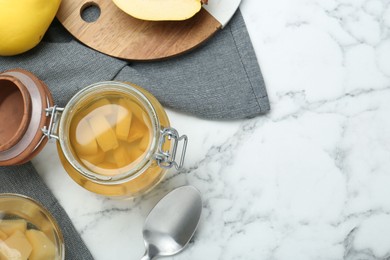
[[110, 135], [105, 147]]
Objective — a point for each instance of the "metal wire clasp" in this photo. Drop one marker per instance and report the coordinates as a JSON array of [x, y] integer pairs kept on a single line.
[[167, 159], [53, 112]]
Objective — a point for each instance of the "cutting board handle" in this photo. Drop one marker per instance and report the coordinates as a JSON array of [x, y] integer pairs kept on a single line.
[[118, 34]]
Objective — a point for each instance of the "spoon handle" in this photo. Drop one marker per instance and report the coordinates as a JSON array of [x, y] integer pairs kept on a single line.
[[146, 256]]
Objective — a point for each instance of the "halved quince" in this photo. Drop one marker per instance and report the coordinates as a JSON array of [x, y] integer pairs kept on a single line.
[[161, 10]]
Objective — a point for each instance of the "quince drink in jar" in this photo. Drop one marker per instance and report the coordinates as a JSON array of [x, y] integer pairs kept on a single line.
[[116, 140]]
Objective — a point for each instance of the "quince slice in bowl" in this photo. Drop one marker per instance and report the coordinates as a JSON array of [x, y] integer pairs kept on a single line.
[[161, 10]]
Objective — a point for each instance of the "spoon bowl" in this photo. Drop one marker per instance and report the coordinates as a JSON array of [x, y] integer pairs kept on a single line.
[[172, 222]]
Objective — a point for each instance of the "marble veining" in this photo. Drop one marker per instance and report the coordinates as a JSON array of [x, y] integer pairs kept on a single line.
[[309, 180]]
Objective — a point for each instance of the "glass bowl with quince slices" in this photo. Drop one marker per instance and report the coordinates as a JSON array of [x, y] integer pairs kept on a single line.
[[28, 230]]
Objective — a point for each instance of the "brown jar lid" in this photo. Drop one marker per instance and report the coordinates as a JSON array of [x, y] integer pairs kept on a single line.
[[23, 100]]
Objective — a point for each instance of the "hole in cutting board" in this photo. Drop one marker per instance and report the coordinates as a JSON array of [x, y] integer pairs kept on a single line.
[[90, 12]]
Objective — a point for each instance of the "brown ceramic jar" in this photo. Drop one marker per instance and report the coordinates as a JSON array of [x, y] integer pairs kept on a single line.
[[23, 101]]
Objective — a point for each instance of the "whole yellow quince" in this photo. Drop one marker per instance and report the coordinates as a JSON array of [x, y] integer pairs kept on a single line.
[[23, 23]]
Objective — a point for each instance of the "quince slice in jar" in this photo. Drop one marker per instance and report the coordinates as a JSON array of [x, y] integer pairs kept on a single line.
[[105, 135], [94, 159], [100, 107], [161, 10], [82, 138], [19, 242], [10, 226], [3, 236], [137, 130], [123, 120], [42, 246], [121, 157]]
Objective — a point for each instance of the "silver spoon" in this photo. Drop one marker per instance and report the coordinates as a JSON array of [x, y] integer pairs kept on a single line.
[[172, 222]]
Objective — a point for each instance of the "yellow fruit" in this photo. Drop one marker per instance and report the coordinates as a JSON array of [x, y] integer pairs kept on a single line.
[[123, 120], [158, 10], [19, 242], [7, 253], [137, 130], [100, 107], [121, 156], [23, 23], [3, 236], [11, 226], [94, 159], [105, 135], [42, 246], [82, 138]]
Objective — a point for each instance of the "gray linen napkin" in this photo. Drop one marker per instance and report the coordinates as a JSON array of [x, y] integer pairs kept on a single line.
[[219, 80]]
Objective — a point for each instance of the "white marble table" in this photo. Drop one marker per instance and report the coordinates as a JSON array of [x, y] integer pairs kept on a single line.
[[310, 180]]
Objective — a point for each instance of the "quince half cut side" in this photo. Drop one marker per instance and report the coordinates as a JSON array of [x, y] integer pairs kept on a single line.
[[160, 10]]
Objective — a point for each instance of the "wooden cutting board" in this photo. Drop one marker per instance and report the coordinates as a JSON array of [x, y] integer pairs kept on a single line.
[[118, 34]]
